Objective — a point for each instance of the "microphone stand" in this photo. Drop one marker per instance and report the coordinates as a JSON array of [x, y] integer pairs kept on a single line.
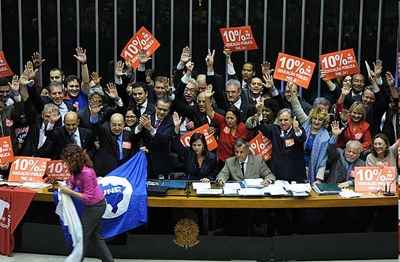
[[388, 191]]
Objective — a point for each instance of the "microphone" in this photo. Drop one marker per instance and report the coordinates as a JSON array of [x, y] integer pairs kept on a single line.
[[388, 191]]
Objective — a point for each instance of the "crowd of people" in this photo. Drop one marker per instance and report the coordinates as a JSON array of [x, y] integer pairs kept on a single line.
[[355, 123]]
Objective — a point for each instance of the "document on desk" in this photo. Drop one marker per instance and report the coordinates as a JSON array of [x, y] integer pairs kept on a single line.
[[298, 188], [275, 190], [346, 193], [201, 185], [209, 192], [251, 192], [254, 182], [231, 189]]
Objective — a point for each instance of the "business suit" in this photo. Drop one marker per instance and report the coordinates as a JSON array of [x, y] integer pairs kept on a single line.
[[287, 153], [106, 157], [255, 168], [59, 139], [30, 146], [159, 146]]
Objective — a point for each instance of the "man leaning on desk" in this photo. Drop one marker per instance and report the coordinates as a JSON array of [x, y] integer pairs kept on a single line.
[[244, 165]]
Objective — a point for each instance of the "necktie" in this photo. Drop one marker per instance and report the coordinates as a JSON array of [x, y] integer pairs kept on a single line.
[[157, 123], [242, 167], [73, 139]]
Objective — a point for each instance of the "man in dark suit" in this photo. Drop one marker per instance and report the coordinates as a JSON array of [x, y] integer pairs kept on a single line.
[[237, 97], [244, 165], [142, 105], [156, 132], [35, 143], [116, 144], [70, 133]]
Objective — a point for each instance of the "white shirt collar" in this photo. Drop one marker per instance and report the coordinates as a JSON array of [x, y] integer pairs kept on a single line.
[[238, 103]]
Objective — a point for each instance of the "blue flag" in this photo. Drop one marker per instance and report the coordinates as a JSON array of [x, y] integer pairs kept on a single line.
[[126, 197]]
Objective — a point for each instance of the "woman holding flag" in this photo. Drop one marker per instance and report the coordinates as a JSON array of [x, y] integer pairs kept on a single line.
[[84, 178]]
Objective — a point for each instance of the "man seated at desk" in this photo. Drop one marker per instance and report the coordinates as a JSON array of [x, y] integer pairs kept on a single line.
[[244, 165]]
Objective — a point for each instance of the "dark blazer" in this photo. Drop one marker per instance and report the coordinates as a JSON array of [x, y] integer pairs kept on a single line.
[[32, 140], [287, 161], [106, 157], [159, 146], [191, 167], [59, 138]]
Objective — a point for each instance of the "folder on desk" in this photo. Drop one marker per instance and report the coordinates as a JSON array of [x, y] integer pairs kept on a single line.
[[157, 190], [208, 192], [326, 189]]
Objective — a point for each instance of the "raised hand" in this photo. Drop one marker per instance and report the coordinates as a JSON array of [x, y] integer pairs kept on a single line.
[[143, 57], [81, 55], [176, 119], [336, 130], [266, 68], [112, 91], [37, 60], [14, 85], [95, 78], [189, 67], [209, 91], [145, 122], [227, 52], [269, 81], [346, 89], [186, 55], [119, 69], [389, 79], [210, 58], [377, 68], [295, 124]]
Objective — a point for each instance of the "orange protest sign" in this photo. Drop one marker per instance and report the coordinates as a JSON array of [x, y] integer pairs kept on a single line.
[[294, 69], [340, 63], [238, 38], [57, 170], [142, 40], [6, 150], [373, 179], [28, 169], [210, 139], [261, 146], [5, 69]]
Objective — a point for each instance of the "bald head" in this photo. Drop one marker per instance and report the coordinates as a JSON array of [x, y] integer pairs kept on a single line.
[[71, 122], [117, 123]]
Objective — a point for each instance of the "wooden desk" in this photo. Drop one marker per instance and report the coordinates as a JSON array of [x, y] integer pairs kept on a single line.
[[178, 199]]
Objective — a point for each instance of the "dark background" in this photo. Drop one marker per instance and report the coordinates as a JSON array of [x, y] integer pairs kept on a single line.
[[181, 31]]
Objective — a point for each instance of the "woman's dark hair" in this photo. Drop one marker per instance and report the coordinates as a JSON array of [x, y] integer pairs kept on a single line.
[[235, 111], [75, 158], [384, 138], [202, 138]]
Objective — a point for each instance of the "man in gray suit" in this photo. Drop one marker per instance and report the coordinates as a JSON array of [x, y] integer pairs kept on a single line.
[[244, 165]]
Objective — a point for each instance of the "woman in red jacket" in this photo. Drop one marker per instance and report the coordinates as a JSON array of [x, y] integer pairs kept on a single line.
[[357, 128]]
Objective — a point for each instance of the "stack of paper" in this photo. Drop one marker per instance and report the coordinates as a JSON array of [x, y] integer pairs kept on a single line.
[[254, 182], [275, 190], [251, 192], [208, 192], [299, 190], [347, 193], [202, 185], [231, 189]]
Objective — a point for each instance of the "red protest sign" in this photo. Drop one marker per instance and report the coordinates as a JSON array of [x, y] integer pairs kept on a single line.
[[294, 69], [57, 170], [340, 63], [261, 146], [374, 178], [142, 40], [5, 69], [6, 150], [28, 169], [238, 38], [210, 139]]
